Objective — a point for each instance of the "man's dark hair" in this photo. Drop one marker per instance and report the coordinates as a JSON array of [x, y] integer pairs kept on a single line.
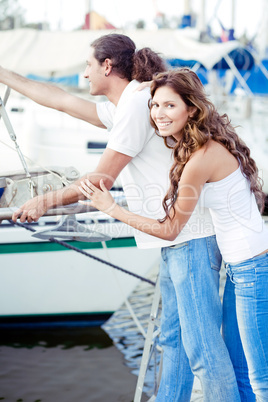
[[128, 63]]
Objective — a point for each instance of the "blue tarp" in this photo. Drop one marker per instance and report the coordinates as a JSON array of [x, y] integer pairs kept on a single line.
[[253, 75], [241, 57], [69, 80], [256, 80]]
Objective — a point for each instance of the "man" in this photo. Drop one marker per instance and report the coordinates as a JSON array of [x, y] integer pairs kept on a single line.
[[114, 69]]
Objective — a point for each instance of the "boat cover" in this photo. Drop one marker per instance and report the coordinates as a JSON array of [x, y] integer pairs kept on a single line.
[[54, 54]]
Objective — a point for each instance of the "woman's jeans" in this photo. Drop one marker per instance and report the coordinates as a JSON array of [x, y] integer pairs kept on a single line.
[[190, 325], [245, 306]]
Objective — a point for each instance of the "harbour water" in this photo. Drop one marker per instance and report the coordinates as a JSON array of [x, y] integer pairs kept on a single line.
[[63, 365]]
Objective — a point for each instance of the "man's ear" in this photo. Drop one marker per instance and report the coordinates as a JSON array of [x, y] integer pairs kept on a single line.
[[108, 67]]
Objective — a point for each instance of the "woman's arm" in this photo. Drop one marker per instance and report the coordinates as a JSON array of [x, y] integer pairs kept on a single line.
[[103, 201], [193, 178]]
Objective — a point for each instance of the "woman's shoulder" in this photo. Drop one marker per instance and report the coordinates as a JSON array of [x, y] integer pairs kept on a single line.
[[206, 158], [204, 152], [210, 150], [214, 160], [200, 163]]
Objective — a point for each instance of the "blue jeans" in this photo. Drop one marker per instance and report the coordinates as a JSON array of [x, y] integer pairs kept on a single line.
[[190, 325], [246, 308]]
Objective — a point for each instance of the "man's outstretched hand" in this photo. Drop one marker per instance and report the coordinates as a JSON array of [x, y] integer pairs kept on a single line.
[[31, 211]]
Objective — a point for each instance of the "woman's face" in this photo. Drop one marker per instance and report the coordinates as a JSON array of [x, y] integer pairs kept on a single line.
[[169, 112]]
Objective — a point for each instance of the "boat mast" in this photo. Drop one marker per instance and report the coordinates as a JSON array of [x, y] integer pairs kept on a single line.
[[60, 18], [232, 28], [201, 17], [88, 8], [187, 16], [187, 7]]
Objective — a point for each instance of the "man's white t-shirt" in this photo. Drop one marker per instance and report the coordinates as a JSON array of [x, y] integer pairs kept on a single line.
[[145, 179]]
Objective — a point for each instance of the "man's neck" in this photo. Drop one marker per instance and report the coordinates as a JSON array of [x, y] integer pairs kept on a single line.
[[116, 88]]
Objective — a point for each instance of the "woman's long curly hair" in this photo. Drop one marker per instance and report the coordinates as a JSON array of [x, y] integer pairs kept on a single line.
[[205, 124]]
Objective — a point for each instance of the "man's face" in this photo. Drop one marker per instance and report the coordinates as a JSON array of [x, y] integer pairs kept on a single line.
[[95, 73]]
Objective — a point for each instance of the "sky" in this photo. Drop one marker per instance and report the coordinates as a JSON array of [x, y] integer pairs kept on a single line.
[[69, 14]]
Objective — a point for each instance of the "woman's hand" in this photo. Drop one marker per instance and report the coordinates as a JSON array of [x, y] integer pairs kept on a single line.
[[143, 85], [100, 199], [103, 201]]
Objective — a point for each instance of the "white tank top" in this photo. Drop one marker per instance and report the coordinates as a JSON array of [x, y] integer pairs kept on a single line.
[[240, 230]]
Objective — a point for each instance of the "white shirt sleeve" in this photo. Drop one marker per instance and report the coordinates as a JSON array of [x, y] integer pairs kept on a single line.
[[131, 129], [106, 111]]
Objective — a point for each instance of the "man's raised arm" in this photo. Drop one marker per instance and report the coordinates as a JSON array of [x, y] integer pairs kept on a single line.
[[51, 96]]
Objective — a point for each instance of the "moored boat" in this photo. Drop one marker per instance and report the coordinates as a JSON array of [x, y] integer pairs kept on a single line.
[[44, 280]]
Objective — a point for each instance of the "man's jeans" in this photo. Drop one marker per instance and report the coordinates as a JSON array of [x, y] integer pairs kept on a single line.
[[190, 325], [245, 306]]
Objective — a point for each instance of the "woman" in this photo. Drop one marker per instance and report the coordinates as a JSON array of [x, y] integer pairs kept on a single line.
[[212, 167]]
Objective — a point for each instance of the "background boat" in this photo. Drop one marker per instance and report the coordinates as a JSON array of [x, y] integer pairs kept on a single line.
[[40, 278]]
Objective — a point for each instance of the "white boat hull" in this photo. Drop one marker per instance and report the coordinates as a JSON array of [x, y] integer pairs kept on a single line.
[[43, 278]]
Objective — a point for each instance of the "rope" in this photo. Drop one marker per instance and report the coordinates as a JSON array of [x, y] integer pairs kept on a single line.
[[78, 250]]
